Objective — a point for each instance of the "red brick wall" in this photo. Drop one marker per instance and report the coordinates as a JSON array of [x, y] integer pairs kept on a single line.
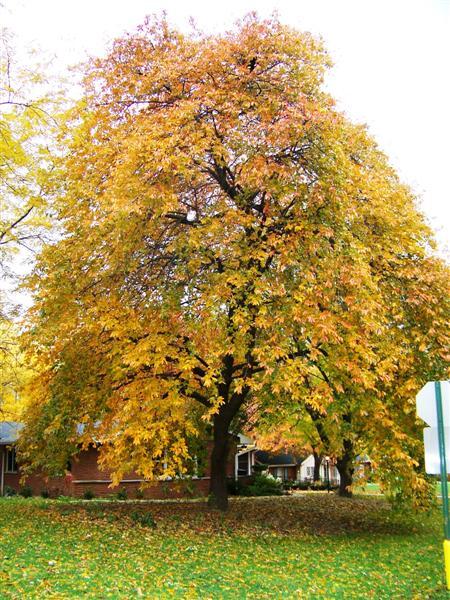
[[85, 466], [157, 490], [38, 482], [85, 475]]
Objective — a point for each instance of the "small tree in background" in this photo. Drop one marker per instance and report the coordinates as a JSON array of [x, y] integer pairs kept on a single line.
[[24, 160]]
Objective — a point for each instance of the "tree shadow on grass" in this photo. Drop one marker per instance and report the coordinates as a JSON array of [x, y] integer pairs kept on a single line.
[[307, 514]]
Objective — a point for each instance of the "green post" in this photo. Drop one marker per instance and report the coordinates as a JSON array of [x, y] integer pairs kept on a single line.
[[441, 438]]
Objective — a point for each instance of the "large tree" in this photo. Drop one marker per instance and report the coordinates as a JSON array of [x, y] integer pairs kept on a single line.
[[220, 221]]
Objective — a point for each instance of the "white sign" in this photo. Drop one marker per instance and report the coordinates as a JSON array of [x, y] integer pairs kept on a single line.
[[431, 442], [426, 403]]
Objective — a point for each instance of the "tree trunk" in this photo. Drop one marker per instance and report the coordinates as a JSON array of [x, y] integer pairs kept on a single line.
[[346, 469], [317, 463], [218, 491]]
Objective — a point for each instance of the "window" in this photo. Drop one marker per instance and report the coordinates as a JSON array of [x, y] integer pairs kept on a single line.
[[310, 472], [11, 464], [281, 473], [243, 464]]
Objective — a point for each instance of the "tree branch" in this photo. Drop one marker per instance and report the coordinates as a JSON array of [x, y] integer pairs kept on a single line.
[[13, 225]]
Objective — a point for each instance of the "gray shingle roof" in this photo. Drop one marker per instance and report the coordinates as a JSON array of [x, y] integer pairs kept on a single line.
[[265, 458], [9, 432]]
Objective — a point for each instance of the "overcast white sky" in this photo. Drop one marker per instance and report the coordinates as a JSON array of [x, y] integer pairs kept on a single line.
[[391, 64]]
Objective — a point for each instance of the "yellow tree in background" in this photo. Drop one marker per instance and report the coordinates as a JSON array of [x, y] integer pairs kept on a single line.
[[25, 127], [373, 412], [25, 137], [226, 238], [13, 372]]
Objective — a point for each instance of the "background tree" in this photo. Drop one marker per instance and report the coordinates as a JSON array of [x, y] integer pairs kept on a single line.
[[24, 121], [13, 372], [220, 220], [25, 140], [280, 427], [376, 416]]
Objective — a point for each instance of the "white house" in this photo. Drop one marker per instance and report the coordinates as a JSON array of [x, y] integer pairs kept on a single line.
[[328, 470]]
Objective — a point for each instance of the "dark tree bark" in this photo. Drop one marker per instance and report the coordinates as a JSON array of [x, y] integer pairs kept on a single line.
[[346, 469], [345, 462], [218, 492], [317, 463]]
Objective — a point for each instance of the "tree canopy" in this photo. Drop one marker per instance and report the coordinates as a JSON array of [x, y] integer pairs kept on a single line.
[[25, 138], [229, 241], [24, 158]]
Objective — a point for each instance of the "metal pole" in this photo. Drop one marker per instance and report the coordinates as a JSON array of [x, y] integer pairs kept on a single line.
[[2, 476], [441, 438], [444, 486]]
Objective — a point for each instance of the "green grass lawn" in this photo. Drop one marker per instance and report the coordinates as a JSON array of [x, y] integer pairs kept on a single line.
[[305, 546], [374, 488]]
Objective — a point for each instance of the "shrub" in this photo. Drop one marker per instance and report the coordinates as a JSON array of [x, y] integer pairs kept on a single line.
[[304, 485], [139, 494], [45, 494], [189, 487], [9, 491], [322, 486], [289, 485], [145, 519], [315, 486], [88, 494], [264, 485], [258, 469], [26, 491], [235, 487], [122, 494]]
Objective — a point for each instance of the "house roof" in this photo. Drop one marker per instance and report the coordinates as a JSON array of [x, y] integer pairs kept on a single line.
[[9, 432], [244, 440], [276, 460]]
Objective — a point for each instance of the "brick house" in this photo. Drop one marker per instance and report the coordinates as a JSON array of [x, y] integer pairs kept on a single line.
[[84, 474], [282, 466], [289, 467]]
